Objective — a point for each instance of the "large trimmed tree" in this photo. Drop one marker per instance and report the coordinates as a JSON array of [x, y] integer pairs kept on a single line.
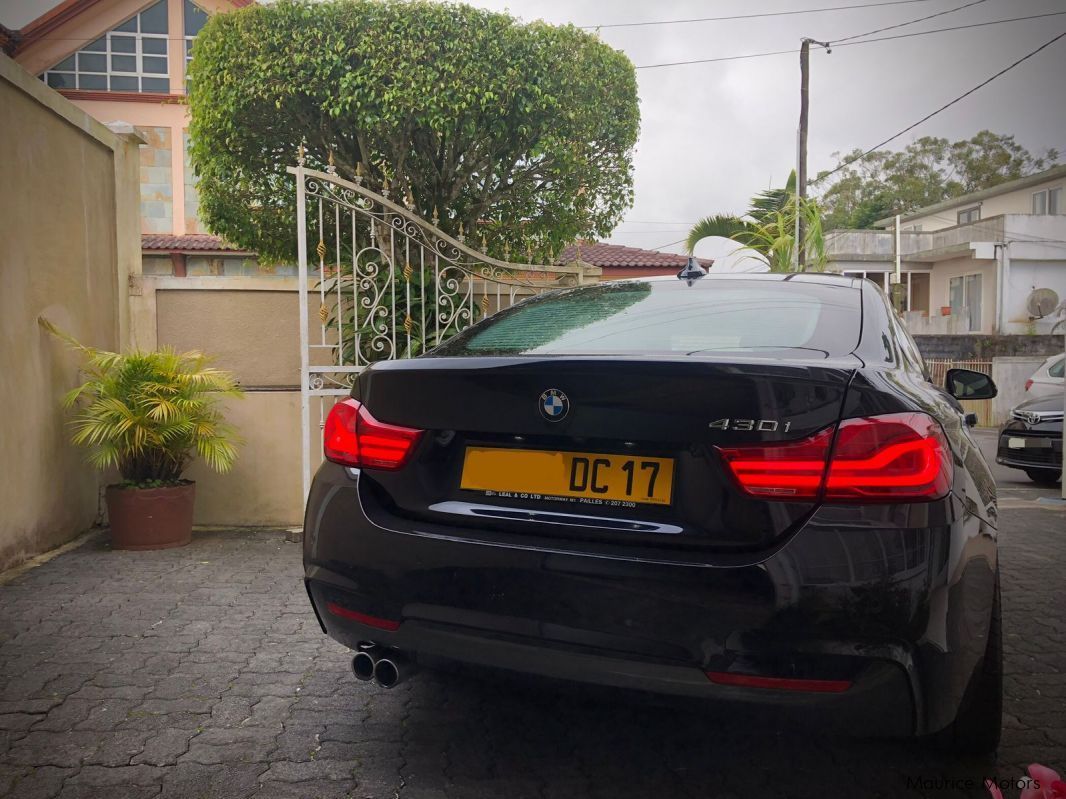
[[523, 132]]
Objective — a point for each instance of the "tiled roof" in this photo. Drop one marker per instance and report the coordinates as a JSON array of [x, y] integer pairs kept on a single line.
[[608, 255], [191, 242]]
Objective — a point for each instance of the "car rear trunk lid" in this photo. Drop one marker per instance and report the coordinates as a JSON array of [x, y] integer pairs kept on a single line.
[[626, 412]]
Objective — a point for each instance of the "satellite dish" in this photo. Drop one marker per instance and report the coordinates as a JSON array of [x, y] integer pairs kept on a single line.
[[1041, 302]]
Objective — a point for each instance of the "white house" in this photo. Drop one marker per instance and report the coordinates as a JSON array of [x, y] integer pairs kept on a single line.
[[971, 264]]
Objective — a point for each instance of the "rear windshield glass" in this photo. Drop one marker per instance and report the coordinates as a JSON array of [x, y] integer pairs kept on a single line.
[[711, 317]]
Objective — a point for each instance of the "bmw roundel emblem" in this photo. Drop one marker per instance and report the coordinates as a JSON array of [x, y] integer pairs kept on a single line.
[[554, 405]]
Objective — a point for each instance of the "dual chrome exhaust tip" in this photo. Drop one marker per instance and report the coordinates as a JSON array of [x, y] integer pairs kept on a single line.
[[386, 667]]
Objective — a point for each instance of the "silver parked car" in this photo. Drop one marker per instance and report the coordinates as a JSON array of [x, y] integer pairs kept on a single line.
[[1048, 378]]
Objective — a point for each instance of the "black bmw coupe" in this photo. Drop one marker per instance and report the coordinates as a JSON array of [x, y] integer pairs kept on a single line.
[[738, 487]]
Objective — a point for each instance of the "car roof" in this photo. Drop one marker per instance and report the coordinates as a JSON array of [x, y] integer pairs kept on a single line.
[[830, 278]]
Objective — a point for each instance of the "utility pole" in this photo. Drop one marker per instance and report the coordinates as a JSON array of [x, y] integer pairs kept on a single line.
[[801, 167]]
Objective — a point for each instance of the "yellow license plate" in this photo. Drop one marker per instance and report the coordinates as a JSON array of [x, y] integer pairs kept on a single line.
[[536, 474]]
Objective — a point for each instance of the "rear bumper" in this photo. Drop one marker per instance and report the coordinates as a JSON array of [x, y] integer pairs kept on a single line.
[[889, 609], [878, 701]]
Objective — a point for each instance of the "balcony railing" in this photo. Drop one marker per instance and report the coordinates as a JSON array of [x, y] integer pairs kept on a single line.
[[880, 245]]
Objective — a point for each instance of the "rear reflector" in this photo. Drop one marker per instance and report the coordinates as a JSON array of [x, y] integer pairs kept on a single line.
[[779, 683], [352, 437], [362, 618], [889, 458], [1028, 384]]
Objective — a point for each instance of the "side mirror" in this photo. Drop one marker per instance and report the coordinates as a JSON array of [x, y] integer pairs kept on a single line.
[[966, 384], [971, 419]]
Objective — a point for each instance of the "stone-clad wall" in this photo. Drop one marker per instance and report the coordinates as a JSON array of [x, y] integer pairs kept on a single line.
[[978, 347], [157, 188], [192, 196]]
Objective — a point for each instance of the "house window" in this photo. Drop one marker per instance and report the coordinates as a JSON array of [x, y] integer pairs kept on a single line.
[[1048, 201], [969, 215], [1040, 203], [130, 58], [965, 292], [915, 291], [195, 18], [880, 278]]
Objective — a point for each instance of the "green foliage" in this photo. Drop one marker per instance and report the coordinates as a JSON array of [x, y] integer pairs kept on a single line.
[[769, 228], [523, 132], [149, 413], [925, 172]]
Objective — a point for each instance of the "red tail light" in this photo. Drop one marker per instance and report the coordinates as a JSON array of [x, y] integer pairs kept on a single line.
[[793, 470], [891, 458], [1028, 384], [352, 437]]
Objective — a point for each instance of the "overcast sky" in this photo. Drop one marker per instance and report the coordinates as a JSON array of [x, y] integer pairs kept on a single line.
[[713, 134]]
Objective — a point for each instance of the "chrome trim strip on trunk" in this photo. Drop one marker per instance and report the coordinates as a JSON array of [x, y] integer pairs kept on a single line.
[[548, 517]]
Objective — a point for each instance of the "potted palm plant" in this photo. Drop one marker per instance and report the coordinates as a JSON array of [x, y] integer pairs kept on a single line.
[[148, 414]]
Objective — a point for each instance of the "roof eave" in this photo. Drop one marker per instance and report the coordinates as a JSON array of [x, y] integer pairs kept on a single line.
[[977, 196], [187, 251], [50, 20], [9, 40], [64, 12]]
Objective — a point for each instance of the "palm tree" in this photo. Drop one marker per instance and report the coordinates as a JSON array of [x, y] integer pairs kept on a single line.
[[769, 228]]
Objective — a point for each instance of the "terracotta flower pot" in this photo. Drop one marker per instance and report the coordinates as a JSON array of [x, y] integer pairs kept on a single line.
[[150, 518]]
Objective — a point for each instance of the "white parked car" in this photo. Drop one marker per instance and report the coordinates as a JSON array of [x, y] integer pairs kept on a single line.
[[1048, 378]]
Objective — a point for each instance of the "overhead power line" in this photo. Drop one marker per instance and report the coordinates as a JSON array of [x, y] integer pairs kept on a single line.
[[944, 107], [748, 16], [853, 43], [909, 22], [668, 244]]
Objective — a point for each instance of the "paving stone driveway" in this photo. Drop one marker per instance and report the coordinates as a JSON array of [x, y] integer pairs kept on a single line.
[[201, 672]]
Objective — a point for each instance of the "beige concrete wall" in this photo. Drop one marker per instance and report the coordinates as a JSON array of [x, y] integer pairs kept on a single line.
[[1009, 374], [250, 325], [68, 224], [264, 488], [254, 334]]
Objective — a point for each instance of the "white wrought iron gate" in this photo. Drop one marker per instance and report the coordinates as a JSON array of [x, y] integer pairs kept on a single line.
[[380, 283]]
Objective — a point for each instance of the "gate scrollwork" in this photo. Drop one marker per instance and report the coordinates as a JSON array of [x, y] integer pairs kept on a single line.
[[378, 282]]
